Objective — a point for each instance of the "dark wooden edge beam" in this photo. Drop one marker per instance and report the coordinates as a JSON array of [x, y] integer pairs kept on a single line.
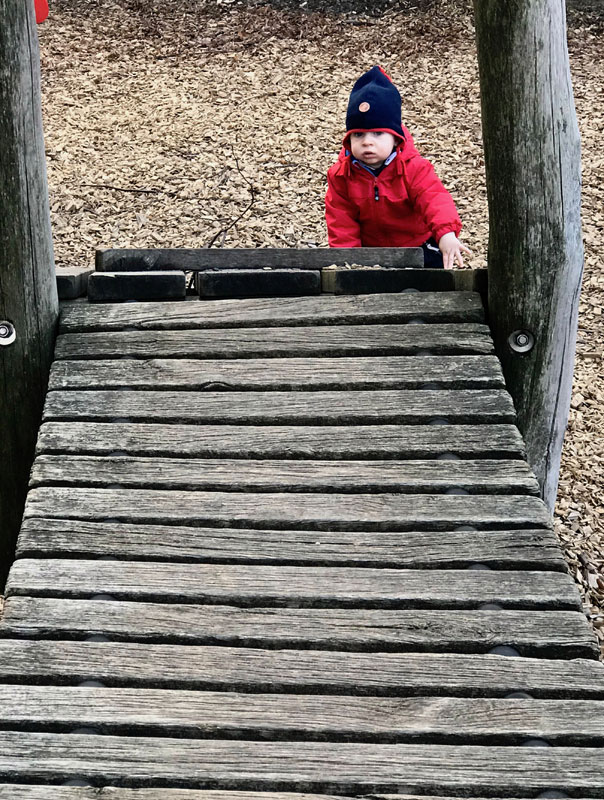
[[192, 259]]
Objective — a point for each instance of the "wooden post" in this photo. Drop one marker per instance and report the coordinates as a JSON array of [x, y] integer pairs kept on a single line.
[[28, 298], [532, 155]]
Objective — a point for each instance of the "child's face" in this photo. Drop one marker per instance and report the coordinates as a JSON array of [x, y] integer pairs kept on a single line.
[[372, 147]]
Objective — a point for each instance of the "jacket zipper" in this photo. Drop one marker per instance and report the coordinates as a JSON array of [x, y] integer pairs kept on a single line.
[[376, 193]]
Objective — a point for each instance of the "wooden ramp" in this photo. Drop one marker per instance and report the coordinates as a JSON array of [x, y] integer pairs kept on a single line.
[[289, 548]]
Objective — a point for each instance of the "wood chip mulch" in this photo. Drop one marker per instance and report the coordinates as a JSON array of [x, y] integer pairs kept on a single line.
[[172, 124]]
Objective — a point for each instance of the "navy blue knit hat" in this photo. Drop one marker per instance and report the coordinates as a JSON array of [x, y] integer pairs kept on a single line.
[[374, 104]]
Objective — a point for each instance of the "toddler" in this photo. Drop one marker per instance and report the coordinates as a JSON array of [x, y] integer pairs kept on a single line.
[[381, 192]]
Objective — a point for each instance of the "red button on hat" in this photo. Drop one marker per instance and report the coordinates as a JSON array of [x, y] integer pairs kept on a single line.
[[364, 106]]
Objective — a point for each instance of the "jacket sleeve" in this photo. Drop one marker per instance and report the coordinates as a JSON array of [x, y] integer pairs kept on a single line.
[[342, 217], [431, 199]]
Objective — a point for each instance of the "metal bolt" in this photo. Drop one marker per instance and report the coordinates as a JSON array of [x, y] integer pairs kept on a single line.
[[521, 341], [8, 334]]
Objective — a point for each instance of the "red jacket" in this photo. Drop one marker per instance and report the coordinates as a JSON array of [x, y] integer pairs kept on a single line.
[[403, 206]]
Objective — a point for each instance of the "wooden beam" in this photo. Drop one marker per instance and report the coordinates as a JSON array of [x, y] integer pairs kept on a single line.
[[531, 143], [191, 259], [28, 297]]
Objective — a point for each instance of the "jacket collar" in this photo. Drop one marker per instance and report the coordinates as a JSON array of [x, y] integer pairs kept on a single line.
[[346, 162]]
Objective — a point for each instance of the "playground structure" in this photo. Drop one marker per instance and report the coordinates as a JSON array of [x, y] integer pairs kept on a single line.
[[290, 545], [360, 590]]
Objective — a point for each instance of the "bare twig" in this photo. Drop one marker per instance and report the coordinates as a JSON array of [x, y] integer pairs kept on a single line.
[[223, 231], [133, 191]]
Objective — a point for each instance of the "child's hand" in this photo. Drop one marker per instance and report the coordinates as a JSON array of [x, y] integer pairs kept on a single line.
[[451, 248]]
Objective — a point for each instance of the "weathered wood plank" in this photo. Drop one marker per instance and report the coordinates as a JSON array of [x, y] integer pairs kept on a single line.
[[284, 585], [508, 549], [277, 312], [340, 340], [305, 766], [380, 372], [550, 634], [385, 406], [30, 792], [476, 477], [318, 511], [168, 712], [257, 257], [14, 791], [281, 441], [302, 671]]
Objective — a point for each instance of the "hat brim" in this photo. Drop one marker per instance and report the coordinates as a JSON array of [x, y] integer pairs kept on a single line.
[[397, 134]]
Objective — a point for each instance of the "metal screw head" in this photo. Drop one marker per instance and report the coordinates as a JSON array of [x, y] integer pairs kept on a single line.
[[8, 334], [521, 341]]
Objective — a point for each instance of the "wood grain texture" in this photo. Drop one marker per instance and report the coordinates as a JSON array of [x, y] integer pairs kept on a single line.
[[168, 712], [379, 372], [255, 257], [549, 634], [535, 240], [300, 671], [277, 312], [382, 406], [302, 765], [476, 477], [507, 549], [315, 511], [299, 586], [367, 442], [340, 340], [28, 290], [31, 792]]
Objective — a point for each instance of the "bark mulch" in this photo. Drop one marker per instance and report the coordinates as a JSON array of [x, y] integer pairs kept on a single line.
[[172, 124]]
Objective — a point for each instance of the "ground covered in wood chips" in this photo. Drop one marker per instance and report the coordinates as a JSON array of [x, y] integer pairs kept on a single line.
[[173, 124]]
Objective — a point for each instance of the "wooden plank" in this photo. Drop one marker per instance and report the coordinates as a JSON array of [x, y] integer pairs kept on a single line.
[[380, 372], [168, 712], [281, 441], [384, 406], [29, 792], [340, 340], [12, 791], [475, 476], [276, 312], [231, 258], [307, 766], [284, 585], [315, 511], [550, 634], [508, 549], [301, 671]]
